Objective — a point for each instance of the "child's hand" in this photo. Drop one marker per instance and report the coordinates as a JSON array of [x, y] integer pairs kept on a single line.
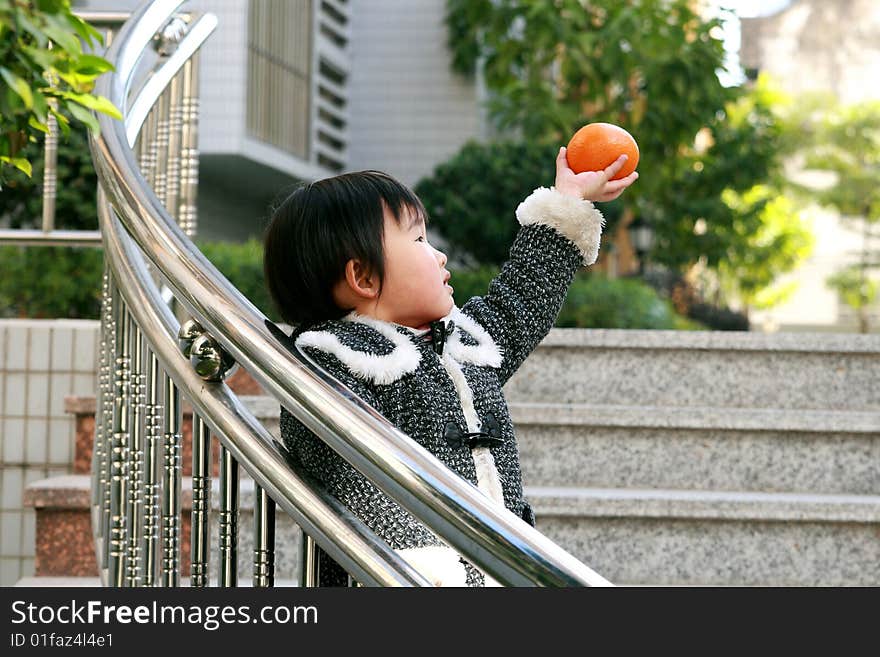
[[591, 185]]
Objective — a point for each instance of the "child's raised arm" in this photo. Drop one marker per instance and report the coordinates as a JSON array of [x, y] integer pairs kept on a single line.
[[561, 230]]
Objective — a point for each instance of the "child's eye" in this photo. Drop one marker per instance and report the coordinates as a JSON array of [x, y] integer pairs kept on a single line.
[[420, 238]]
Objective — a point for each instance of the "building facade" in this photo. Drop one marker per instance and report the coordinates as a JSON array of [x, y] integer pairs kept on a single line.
[[295, 90]]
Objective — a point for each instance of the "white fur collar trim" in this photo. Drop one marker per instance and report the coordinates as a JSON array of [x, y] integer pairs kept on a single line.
[[405, 357], [578, 220], [440, 565], [485, 352], [380, 369]]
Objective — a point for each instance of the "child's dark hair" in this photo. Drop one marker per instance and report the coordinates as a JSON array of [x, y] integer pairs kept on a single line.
[[318, 228]]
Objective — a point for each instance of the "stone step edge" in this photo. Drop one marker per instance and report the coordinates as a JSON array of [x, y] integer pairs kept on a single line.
[[640, 340], [60, 581], [74, 492], [87, 404], [696, 504], [695, 417], [647, 417]]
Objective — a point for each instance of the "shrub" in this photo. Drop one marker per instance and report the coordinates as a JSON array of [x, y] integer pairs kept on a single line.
[[593, 301], [718, 319], [47, 282], [242, 264], [50, 281]]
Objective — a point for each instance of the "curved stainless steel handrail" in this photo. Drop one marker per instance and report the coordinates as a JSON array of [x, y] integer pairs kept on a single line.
[[493, 538]]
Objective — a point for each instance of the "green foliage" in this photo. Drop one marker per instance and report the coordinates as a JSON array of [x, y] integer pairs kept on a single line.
[[553, 65], [778, 244], [736, 150], [48, 282], [856, 290], [242, 264], [44, 72], [593, 301], [596, 301], [847, 143], [844, 140], [21, 202]]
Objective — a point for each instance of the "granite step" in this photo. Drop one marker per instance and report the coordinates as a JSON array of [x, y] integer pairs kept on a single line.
[[761, 450], [706, 369], [672, 538]]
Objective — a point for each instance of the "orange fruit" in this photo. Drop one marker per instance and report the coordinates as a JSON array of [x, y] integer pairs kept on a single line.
[[596, 145]]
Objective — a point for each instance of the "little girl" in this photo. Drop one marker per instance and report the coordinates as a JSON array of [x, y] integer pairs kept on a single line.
[[348, 263]]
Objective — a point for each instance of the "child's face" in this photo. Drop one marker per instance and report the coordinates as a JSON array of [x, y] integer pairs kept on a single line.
[[415, 288]]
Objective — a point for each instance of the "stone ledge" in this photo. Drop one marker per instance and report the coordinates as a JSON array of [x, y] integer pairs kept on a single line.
[[755, 419], [80, 404], [810, 343], [56, 582], [74, 492], [261, 406], [711, 505]]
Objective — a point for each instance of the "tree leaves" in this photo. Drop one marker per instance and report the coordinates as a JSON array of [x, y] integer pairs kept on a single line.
[[552, 66], [42, 58]]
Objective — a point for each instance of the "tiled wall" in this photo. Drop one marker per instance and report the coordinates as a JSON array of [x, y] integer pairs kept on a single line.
[[41, 362]]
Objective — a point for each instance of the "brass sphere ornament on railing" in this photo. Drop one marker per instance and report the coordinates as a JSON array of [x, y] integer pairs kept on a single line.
[[210, 361]]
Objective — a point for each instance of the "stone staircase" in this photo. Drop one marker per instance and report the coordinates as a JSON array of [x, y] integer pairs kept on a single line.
[[706, 458], [658, 458]]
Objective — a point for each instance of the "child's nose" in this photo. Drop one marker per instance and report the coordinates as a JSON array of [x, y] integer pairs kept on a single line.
[[441, 257]]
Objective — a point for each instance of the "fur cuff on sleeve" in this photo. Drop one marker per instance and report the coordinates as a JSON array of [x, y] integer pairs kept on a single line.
[[439, 565], [575, 219]]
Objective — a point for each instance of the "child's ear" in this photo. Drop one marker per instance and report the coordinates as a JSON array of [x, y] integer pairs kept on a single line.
[[361, 280]]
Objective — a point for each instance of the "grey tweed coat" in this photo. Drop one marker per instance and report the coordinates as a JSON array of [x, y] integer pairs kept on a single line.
[[439, 398]]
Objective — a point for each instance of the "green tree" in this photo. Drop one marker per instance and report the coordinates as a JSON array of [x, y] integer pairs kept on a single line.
[[21, 201], [553, 65], [845, 141], [44, 71], [749, 272]]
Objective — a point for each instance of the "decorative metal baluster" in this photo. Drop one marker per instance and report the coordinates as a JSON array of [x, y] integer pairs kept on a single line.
[[100, 486], [264, 538], [152, 437], [187, 217], [228, 518], [119, 446], [160, 147], [201, 501], [175, 117], [146, 147], [309, 572], [135, 505], [107, 422], [50, 168], [171, 484]]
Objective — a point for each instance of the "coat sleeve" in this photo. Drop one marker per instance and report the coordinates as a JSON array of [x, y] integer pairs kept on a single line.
[[403, 533], [559, 234]]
